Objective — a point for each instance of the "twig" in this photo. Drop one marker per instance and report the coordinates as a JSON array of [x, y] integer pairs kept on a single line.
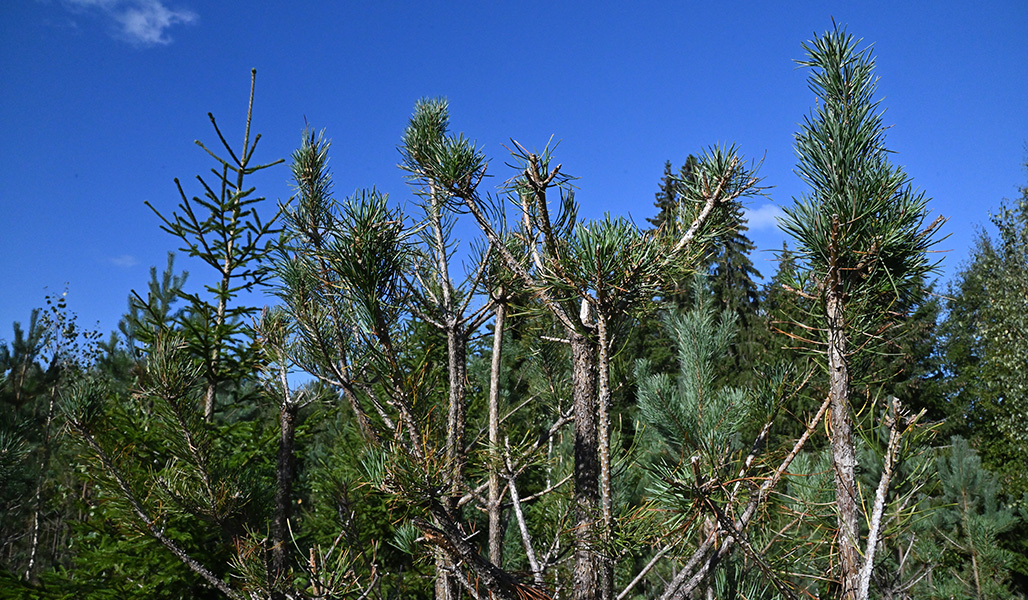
[[644, 571], [151, 526], [537, 574]]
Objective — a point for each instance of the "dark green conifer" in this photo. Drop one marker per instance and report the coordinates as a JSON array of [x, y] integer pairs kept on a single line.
[[969, 521], [224, 229], [731, 274]]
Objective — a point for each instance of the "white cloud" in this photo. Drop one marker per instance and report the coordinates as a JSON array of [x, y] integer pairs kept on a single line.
[[141, 22], [763, 217], [124, 261]]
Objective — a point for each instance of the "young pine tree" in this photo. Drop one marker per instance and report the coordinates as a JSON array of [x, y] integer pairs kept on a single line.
[[726, 260], [862, 243], [970, 520]]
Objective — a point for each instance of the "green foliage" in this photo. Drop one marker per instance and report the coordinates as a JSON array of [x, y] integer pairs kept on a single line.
[[224, 230], [969, 521], [983, 338], [701, 463], [861, 256], [986, 344], [157, 472], [340, 268], [147, 318], [861, 228], [668, 196], [450, 163], [731, 276], [689, 414], [154, 463], [38, 491], [153, 495]]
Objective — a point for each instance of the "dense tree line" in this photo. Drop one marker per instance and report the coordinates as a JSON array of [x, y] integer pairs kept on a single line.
[[559, 408]]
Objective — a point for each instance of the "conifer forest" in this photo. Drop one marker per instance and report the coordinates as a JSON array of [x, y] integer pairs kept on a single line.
[[479, 395]]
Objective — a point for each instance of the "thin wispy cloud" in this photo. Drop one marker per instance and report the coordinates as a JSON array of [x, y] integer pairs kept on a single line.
[[140, 22], [124, 261], [763, 217]]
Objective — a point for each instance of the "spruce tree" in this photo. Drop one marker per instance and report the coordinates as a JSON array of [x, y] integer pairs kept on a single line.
[[670, 192], [193, 486], [733, 284], [146, 318], [224, 229], [731, 274]]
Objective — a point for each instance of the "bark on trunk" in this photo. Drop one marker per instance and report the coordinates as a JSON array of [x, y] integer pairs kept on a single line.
[[587, 469], [844, 459], [495, 514], [603, 438], [208, 402], [219, 321], [453, 542], [284, 491], [457, 350], [447, 587]]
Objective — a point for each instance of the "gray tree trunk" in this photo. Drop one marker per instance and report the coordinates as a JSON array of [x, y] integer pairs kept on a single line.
[[495, 514], [587, 469], [844, 460], [603, 404], [286, 471]]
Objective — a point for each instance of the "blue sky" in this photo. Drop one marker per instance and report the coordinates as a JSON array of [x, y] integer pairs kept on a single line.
[[102, 100]]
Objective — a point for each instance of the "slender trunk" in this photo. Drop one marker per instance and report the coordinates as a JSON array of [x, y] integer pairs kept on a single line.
[[286, 472], [452, 541], [515, 500], [973, 550], [447, 587], [456, 350], [212, 369], [603, 436], [38, 497], [208, 402], [587, 471], [212, 376], [709, 530], [495, 513], [844, 461], [896, 423]]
